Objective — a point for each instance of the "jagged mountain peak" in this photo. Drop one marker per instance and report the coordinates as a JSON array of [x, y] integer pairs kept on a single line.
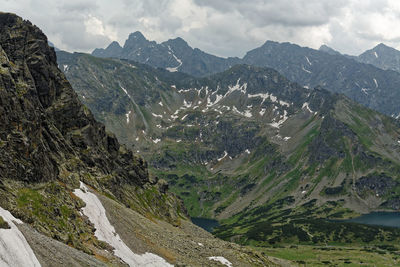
[[113, 45], [137, 35], [382, 56], [329, 50], [178, 42], [136, 40], [382, 46]]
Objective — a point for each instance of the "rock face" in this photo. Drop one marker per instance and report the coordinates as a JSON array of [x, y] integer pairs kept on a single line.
[[43, 124]]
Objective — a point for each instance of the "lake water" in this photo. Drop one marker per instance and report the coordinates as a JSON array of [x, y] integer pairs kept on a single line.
[[379, 218], [206, 224]]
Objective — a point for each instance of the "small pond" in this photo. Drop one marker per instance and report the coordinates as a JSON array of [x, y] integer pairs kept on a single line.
[[206, 224], [391, 219]]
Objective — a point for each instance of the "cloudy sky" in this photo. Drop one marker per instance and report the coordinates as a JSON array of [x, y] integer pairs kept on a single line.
[[222, 27]]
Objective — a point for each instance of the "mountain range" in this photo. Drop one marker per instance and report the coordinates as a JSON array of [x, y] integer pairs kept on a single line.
[[366, 79], [249, 147]]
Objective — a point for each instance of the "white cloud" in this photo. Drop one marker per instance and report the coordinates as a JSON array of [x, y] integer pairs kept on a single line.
[[223, 27]]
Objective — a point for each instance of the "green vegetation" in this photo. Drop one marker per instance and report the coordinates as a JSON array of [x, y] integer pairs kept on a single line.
[[3, 224], [305, 255]]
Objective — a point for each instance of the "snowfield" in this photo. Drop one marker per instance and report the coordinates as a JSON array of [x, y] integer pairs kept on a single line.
[[14, 249], [96, 213], [221, 260]]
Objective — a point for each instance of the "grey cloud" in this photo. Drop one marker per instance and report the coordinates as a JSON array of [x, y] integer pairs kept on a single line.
[[282, 12], [223, 27]]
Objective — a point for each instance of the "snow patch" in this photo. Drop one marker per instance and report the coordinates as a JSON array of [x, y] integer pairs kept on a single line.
[[161, 104], [132, 66], [307, 107], [302, 67], [308, 61], [65, 67], [237, 87], [376, 55], [184, 117], [156, 141], [263, 96], [127, 116], [283, 103], [217, 99], [96, 213], [178, 60], [365, 90], [246, 113], [279, 123], [221, 260], [187, 104], [225, 154], [184, 91], [286, 138], [247, 151], [376, 83], [14, 249], [156, 115]]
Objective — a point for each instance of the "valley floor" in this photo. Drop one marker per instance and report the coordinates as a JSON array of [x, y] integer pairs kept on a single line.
[[302, 255]]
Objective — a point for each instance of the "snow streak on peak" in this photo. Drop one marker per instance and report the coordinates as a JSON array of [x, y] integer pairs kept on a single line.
[[179, 61]]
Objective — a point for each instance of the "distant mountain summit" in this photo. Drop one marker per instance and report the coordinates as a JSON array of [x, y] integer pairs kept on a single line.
[[114, 49], [329, 50], [172, 55], [382, 56]]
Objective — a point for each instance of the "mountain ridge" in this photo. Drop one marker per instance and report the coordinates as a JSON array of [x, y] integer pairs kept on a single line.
[[333, 71]]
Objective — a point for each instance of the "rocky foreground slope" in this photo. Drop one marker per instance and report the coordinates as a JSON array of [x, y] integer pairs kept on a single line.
[[250, 147], [50, 144]]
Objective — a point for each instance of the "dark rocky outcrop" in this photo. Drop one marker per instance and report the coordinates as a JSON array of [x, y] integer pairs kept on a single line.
[[380, 184], [42, 122]]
